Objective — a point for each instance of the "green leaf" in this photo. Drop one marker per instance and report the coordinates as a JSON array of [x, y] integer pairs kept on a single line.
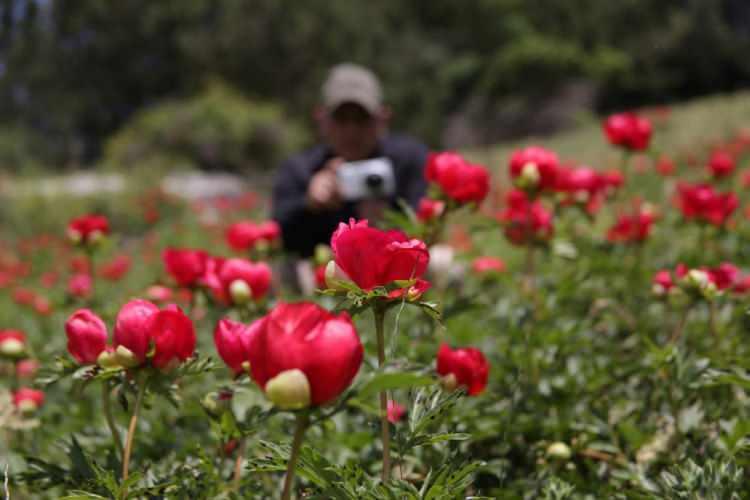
[[390, 381]]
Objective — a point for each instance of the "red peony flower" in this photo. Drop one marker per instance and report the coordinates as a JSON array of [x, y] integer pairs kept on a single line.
[[240, 280], [232, 340], [430, 209], [173, 337], [80, 285], [131, 327], [87, 336], [725, 276], [485, 265], [525, 221], [632, 228], [185, 265], [628, 130], [304, 338], [28, 400], [665, 166], [701, 202], [88, 229], [27, 368], [244, 235], [395, 412], [458, 179], [465, 367], [115, 269], [159, 293], [721, 164], [534, 167], [370, 257]]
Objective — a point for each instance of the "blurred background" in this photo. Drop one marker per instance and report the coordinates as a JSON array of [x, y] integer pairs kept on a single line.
[[230, 85]]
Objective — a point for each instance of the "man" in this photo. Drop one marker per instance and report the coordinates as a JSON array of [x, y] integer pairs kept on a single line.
[[307, 194]]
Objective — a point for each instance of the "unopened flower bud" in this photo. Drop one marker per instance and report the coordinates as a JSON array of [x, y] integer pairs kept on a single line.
[[336, 279], [529, 177], [559, 451], [289, 390], [449, 382], [13, 349], [75, 237], [108, 359], [94, 238], [125, 357], [240, 292], [322, 254]]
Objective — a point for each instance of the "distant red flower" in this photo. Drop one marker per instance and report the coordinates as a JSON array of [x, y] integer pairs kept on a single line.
[[628, 130], [430, 209], [633, 228], [244, 235], [467, 367], [525, 221], [88, 229], [242, 280], [721, 164], [535, 168], [186, 266], [80, 285], [701, 202], [395, 412], [725, 276], [116, 268], [484, 265], [665, 166], [28, 400], [458, 179]]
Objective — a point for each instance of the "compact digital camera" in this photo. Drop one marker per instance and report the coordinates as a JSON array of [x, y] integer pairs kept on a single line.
[[359, 180]]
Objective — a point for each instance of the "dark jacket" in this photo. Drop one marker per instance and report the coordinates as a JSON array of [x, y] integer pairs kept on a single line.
[[302, 229]]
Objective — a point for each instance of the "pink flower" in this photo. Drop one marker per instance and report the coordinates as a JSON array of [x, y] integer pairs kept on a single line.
[[395, 412], [485, 265], [87, 336], [232, 340], [536, 163], [721, 164], [80, 285]]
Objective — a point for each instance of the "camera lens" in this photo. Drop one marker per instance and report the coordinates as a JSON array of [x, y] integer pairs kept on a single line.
[[374, 182]]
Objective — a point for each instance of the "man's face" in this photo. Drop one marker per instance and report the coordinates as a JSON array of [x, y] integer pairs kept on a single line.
[[352, 132]]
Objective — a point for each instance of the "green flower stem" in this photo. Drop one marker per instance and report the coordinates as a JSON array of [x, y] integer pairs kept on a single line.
[[303, 420], [131, 430], [677, 333], [379, 313], [106, 402]]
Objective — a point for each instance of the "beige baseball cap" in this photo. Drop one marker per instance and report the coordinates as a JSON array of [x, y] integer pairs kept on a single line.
[[352, 83]]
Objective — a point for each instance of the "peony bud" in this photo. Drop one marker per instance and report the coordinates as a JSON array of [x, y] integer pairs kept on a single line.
[[87, 336], [336, 279], [289, 390], [28, 401], [12, 344], [529, 177], [240, 292], [559, 451], [125, 357], [108, 358], [449, 382]]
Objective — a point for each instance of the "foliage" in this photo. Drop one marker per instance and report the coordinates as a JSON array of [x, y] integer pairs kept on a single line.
[[218, 129]]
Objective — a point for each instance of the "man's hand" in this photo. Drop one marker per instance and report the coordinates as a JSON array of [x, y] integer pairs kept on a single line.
[[323, 190]]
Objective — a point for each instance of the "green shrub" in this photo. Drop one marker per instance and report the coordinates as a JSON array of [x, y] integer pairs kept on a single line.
[[218, 128]]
